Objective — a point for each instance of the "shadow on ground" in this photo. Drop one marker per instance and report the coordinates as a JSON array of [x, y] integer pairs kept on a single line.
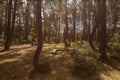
[[64, 66]]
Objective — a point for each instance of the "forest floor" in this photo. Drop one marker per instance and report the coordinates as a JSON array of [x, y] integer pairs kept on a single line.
[[80, 63]]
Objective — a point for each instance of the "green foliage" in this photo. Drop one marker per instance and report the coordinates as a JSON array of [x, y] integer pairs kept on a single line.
[[115, 38], [81, 64], [115, 47], [83, 48]]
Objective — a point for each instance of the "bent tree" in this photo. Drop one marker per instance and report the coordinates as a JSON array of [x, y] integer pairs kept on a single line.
[[100, 24], [39, 32]]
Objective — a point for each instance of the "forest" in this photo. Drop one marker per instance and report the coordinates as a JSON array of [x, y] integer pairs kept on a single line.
[[59, 39]]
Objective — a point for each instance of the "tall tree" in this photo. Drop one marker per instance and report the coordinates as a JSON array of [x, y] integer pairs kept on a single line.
[[102, 19], [27, 26], [95, 26], [39, 32], [84, 21], [66, 29], [7, 43], [13, 21], [74, 21], [100, 24]]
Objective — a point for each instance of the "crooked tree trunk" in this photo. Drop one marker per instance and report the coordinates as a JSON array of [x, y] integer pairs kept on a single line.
[[114, 21], [39, 28], [96, 25], [101, 24]]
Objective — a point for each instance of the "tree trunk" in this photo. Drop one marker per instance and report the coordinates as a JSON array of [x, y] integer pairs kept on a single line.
[[84, 35], [96, 26], [27, 23], [114, 21], [39, 28], [74, 22], [7, 42], [13, 21], [6, 16], [66, 31], [102, 47]]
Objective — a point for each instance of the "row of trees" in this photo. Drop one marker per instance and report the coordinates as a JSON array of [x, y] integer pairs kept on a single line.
[[59, 21]]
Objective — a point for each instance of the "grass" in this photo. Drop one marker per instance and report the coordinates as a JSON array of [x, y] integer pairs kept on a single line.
[[79, 64]]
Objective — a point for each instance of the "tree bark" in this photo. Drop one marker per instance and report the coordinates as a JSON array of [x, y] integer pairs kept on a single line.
[[66, 29], [7, 43], [102, 46], [114, 21], [27, 22], [6, 15], [13, 21], [40, 40], [96, 25], [74, 22]]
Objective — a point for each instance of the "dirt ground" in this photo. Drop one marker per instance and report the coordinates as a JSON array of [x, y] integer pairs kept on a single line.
[[16, 64]]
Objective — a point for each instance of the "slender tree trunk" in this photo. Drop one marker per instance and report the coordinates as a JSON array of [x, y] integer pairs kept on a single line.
[[13, 21], [40, 40], [59, 29], [114, 21], [35, 27], [89, 18], [27, 23], [7, 43], [84, 35], [66, 31], [102, 47], [6, 15], [95, 26], [45, 25], [74, 23]]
